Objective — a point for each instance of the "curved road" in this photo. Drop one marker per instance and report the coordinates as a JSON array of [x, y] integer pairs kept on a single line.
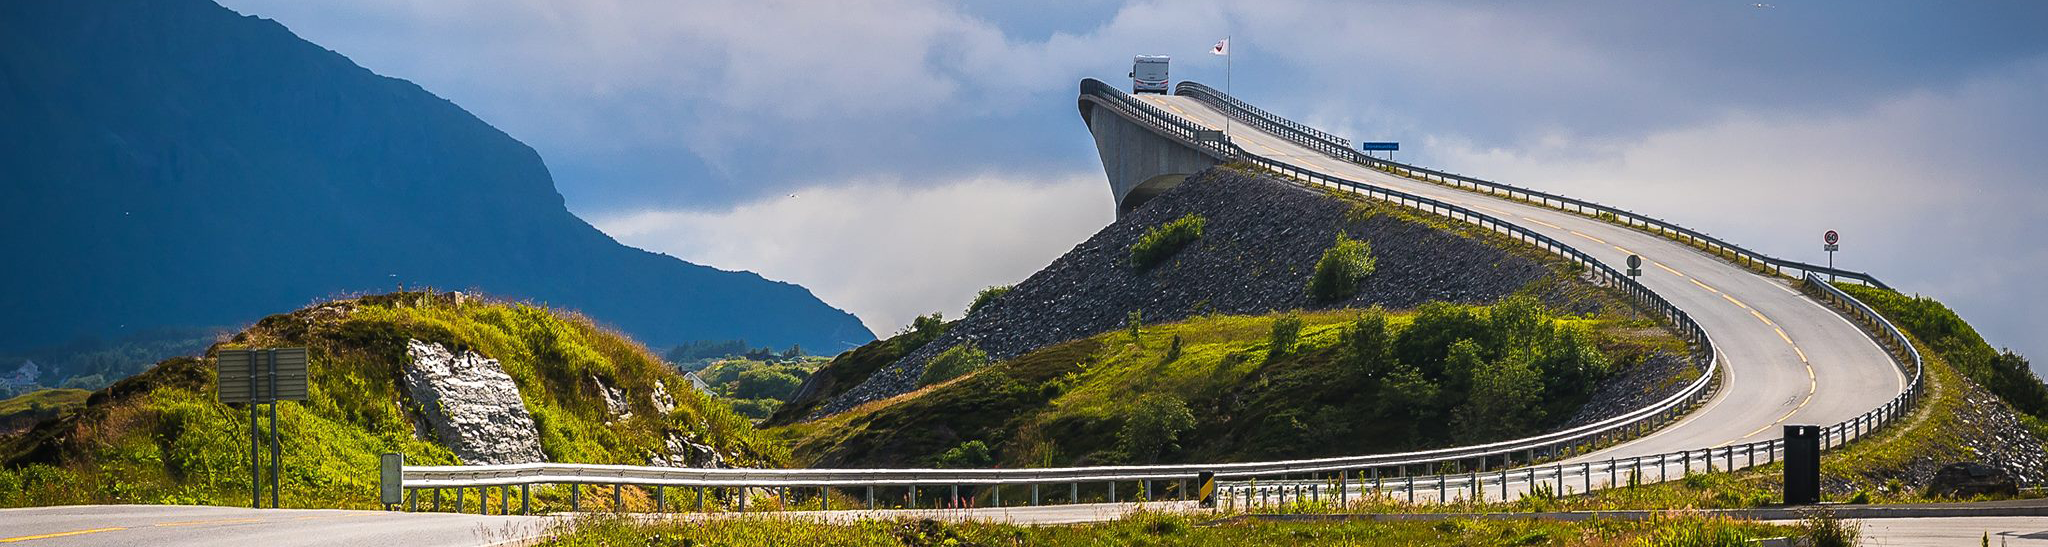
[[1788, 358]]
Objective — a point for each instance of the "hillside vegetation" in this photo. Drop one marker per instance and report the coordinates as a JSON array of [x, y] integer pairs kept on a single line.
[[1234, 388], [2004, 373], [160, 437]]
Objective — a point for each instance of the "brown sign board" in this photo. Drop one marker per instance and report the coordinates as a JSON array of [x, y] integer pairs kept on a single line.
[[237, 367]]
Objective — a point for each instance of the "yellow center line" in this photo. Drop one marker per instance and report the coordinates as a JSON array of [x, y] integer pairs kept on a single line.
[[1595, 239], [1802, 357], [1668, 269], [1788, 340], [60, 534], [1552, 226], [1738, 303], [1767, 321], [1495, 211], [1703, 285]]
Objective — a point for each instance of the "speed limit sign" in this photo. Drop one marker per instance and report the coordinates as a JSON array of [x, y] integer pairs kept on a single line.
[[1831, 237]]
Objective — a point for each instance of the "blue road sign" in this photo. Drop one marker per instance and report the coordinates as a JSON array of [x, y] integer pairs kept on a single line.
[[1379, 146]]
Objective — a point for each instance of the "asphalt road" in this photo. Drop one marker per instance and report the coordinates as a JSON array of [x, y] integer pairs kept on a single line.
[[1789, 359], [169, 525]]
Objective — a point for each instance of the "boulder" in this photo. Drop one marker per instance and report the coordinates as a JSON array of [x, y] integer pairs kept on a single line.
[[1970, 479], [471, 405]]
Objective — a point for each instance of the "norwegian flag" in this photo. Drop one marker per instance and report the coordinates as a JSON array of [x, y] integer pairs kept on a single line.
[[1222, 47]]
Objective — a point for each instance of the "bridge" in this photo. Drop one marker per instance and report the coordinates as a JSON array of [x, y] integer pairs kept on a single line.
[[1775, 345]]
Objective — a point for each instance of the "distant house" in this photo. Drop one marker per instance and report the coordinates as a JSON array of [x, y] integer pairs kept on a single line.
[[697, 383], [23, 377]]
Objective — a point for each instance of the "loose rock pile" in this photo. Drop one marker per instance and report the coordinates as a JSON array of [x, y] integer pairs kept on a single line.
[[1261, 243]]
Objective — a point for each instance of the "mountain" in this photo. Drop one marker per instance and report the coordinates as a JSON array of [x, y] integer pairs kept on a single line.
[[172, 162]]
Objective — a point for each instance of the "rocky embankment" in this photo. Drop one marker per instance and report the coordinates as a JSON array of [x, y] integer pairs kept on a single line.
[[1261, 243], [471, 405]]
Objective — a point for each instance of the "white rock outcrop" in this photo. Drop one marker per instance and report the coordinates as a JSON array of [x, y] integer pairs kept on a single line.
[[471, 405]]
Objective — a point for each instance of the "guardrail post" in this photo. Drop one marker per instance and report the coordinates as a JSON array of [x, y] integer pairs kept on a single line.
[[1560, 479], [412, 499], [660, 499], [525, 500], [1074, 493], [997, 494], [1503, 483], [1440, 488], [824, 498], [1411, 486], [618, 498], [437, 499], [1112, 491], [575, 497], [459, 505], [743, 498], [1034, 494], [1586, 472]]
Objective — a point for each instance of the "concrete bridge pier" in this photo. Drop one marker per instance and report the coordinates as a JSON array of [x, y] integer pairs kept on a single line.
[[1140, 162]]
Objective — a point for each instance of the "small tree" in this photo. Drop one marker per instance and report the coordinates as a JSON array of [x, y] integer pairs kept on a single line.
[[970, 454], [1286, 331], [1136, 320], [985, 296], [1339, 270], [1505, 394], [953, 363], [1369, 347], [1166, 239], [1154, 427]]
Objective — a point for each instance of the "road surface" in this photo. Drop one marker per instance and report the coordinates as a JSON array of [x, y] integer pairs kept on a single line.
[[173, 525], [1788, 358]]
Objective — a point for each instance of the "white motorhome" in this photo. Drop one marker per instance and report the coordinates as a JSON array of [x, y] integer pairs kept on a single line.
[[1148, 74]]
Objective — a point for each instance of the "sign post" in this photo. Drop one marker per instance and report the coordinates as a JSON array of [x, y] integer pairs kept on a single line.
[[1831, 243], [254, 377], [1635, 266]]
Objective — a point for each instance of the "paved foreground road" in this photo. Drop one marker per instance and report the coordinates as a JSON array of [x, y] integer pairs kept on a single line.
[[233, 527]]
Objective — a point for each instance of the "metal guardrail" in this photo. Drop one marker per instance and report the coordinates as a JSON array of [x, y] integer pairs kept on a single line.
[[1887, 334], [415, 479], [1341, 149]]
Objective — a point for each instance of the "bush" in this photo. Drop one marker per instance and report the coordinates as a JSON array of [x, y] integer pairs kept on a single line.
[[1154, 427], [985, 296], [1339, 270], [1286, 331], [1162, 241], [923, 329], [953, 363], [970, 454], [766, 384]]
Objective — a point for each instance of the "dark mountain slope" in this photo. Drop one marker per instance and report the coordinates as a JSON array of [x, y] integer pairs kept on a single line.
[[171, 162]]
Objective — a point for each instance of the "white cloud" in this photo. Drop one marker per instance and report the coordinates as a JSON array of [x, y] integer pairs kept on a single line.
[[886, 249], [1939, 193]]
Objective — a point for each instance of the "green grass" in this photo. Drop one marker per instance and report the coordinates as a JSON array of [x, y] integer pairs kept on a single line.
[[1163, 240], [46, 400], [1065, 404], [1155, 529], [160, 437], [1955, 341]]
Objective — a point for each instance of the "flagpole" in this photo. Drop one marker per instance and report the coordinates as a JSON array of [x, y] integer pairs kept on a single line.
[[1226, 83]]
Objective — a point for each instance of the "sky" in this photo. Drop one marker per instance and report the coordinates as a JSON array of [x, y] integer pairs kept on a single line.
[[895, 156]]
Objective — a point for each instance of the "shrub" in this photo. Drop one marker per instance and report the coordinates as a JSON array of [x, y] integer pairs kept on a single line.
[[923, 329], [1164, 240], [953, 363], [1172, 350], [1154, 427], [1339, 270], [969, 454], [1286, 331], [987, 295], [764, 383]]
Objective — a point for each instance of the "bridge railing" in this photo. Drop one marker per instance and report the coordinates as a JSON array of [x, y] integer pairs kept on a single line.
[[1550, 445], [1887, 334], [1340, 148]]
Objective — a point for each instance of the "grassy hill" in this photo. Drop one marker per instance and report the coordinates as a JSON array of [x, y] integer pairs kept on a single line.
[[1235, 387], [160, 437]]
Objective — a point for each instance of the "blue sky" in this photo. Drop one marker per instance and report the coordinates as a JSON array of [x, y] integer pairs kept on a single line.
[[896, 155]]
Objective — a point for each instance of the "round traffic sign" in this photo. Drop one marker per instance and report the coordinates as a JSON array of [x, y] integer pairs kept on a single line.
[[1832, 238], [1635, 261]]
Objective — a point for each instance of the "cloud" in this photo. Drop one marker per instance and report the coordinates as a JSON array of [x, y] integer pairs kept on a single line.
[[887, 249], [1937, 192]]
